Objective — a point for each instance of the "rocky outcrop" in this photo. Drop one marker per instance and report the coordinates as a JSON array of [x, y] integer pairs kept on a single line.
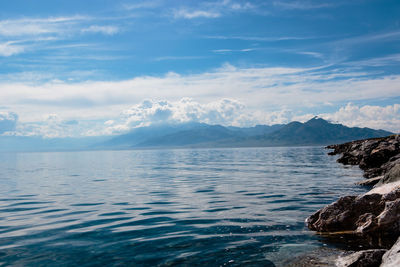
[[363, 258], [375, 156], [374, 214]]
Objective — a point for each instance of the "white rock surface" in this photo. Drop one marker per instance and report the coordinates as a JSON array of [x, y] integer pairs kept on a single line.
[[384, 189], [392, 257]]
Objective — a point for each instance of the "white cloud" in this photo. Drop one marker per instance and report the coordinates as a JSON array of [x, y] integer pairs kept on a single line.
[[9, 48], [192, 14], [223, 111], [265, 89], [376, 117], [301, 5], [178, 58], [213, 9], [108, 30], [38, 26], [142, 5], [223, 51], [24, 34], [8, 121], [392, 59], [54, 126]]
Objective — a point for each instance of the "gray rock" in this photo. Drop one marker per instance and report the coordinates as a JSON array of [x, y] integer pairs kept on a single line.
[[363, 258], [392, 257], [393, 175], [370, 181], [375, 156], [373, 214]]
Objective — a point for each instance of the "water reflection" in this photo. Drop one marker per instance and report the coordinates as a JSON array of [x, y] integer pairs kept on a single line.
[[166, 207]]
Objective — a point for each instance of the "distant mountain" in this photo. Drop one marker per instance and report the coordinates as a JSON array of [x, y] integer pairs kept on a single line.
[[313, 132], [144, 134], [186, 134], [256, 130], [319, 131]]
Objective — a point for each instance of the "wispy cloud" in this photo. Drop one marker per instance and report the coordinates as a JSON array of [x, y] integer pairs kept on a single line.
[[29, 34], [165, 58], [388, 60], [261, 38], [223, 51], [142, 5], [10, 48], [301, 5], [108, 30], [368, 38], [312, 54], [258, 88], [213, 9], [38, 26], [192, 14]]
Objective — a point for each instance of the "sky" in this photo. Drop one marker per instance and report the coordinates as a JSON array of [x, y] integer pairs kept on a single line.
[[102, 67]]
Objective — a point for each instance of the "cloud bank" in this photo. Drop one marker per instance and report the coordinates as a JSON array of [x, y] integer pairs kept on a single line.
[[263, 89], [224, 112], [227, 112], [375, 117]]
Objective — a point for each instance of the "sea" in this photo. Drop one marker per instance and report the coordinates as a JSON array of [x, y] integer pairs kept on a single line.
[[170, 207]]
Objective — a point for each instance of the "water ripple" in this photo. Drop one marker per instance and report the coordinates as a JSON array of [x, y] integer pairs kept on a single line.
[[218, 207]]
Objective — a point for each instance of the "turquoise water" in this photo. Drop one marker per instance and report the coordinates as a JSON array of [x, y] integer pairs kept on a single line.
[[206, 207]]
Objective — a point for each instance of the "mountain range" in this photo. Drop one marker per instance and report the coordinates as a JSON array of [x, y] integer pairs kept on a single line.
[[316, 131]]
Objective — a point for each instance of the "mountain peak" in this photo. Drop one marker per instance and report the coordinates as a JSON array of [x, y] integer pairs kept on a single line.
[[317, 121]]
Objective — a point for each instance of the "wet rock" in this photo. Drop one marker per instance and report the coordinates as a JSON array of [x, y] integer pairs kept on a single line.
[[321, 257], [367, 214], [392, 257], [370, 181], [374, 156], [363, 258]]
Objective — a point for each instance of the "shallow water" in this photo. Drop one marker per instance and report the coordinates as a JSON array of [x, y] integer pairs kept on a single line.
[[209, 207]]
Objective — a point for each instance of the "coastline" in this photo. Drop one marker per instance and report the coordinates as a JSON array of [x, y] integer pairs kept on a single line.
[[371, 220]]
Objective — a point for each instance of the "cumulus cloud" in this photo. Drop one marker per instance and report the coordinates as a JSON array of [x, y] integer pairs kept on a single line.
[[376, 117], [55, 126], [223, 111], [227, 112], [8, 121], [266, 89]]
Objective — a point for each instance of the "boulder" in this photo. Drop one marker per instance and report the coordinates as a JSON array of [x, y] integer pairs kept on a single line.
[[393, 175], [371, 213], [363, 258], [392, 257]]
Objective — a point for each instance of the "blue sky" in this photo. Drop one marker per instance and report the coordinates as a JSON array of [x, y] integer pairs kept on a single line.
[[71, 68]]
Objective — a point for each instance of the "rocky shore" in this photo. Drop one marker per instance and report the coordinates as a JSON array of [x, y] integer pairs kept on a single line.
[[374, 216]]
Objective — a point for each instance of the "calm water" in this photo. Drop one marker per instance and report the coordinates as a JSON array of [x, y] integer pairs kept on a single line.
[[211, 207]]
